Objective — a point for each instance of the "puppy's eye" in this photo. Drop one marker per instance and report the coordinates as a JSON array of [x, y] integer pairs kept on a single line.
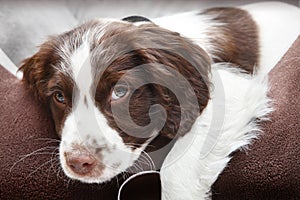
[[59, 97], [119, 92]]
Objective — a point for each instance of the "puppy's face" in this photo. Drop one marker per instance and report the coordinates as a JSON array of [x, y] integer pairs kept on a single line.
[[103, 82]]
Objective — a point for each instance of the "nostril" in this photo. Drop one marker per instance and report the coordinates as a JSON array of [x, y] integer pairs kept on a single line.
[[80, 162], [86, 164]]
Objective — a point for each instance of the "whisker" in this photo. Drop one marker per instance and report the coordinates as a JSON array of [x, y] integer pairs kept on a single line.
[[117, 179], [59, 170], [36, 152], [47, 139], [144, 157], [68, 182], [134, 145], [42, 165], [149, 159], [54, 159]]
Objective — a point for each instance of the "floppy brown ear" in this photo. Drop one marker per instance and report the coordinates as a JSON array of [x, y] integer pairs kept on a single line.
[[166, 51], [33, 75], [189, 91], [37, 70]]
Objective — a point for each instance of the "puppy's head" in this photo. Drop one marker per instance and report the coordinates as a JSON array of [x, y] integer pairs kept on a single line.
[[112, 87]]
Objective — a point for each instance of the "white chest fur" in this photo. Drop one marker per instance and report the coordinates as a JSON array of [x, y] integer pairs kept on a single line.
[[227, 124]]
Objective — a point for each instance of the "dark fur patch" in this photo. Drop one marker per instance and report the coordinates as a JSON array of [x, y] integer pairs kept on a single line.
[[194, 67], [235, 36]]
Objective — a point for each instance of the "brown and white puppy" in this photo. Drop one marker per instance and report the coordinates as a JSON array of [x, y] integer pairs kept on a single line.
[[114, 85]]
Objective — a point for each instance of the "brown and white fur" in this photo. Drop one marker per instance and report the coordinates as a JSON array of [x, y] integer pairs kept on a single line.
[[77, 74]]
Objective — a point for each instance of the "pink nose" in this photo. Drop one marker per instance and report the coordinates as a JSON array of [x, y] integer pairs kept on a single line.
[[80, 161]]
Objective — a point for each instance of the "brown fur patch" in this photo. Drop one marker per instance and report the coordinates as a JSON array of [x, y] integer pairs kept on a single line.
[[194, 68], [235, 37]]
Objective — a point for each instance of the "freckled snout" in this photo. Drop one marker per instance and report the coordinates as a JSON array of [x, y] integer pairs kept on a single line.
[[80, 161]]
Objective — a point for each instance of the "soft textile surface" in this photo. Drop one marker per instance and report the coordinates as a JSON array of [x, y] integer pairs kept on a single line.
[[269, 170]]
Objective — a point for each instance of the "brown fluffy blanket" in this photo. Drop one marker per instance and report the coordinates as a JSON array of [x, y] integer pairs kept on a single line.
[[271, 168]]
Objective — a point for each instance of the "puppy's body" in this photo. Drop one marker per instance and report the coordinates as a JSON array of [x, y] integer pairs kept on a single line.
[[104, 79], [277, 27]]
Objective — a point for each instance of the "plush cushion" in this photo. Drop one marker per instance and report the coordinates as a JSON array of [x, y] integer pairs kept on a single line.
[[271, 168], [29, 167]]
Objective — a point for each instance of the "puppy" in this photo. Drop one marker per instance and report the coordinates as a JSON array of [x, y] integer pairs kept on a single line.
[[114, 86]]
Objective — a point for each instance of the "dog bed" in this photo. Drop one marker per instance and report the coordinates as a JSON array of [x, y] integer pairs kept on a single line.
[[269, 169]]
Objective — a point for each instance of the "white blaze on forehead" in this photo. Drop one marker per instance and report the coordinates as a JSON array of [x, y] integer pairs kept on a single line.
[[83, 108], [80, 65], [87, 118]]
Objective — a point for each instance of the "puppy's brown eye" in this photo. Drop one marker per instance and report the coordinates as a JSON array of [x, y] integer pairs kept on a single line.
[[119, 92], [59, 97]]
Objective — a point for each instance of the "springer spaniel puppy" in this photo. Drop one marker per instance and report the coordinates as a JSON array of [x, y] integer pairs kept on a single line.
[[114, 86]]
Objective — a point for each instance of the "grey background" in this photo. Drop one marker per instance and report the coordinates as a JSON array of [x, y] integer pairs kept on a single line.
[[26, 24]]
